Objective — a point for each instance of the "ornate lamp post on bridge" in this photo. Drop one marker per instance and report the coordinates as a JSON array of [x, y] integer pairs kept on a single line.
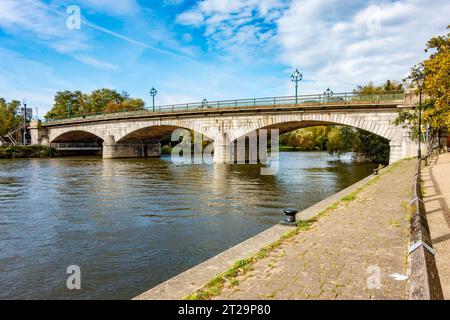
[[153, 93], [419, 82], [328, 93], [296, 77], [24, 103]]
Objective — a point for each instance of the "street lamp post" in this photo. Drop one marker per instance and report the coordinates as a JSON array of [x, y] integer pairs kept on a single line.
[[419, 82], [68, 109], [296, 77], [153, 93], [24, 122], [328, 93], [204, 103]]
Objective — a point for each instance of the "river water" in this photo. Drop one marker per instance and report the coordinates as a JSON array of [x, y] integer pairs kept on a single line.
[[131, 224]]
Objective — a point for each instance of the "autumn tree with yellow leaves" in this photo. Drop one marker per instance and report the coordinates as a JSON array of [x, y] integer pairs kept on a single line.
[[436, 88]]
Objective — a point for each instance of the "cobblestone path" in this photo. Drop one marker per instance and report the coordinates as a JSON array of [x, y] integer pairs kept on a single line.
[[436, 179], [344, 251]]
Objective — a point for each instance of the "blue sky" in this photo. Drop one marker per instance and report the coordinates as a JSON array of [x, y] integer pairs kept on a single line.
[[213, 49]]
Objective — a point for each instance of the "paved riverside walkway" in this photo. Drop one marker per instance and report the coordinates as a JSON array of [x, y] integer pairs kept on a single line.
[[436, 179], [342, 250]]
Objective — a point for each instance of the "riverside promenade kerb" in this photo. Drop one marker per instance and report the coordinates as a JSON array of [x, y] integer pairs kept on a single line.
[[138, 133]]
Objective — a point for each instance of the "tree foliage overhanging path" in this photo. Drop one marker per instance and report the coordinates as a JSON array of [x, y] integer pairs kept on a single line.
[[437, 81], [436, 87]]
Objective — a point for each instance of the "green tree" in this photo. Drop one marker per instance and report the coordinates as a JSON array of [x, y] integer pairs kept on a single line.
[[8, 116], [342, 140], [303, 140], [127, 105], [68, 102], [79, 104], [372, 146], [339, 140], [364, 144], [306, 139], [371, 88], [99, 99]]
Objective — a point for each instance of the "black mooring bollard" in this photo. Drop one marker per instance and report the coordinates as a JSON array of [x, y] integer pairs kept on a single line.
[[375, 172], [289, 219]]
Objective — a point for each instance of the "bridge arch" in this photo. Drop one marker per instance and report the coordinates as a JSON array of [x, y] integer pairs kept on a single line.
[[155, 131], [76, 136], [380, 125]]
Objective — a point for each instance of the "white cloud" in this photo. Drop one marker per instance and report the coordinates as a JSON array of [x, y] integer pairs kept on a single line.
[[239, 29], [190, 18], [338, 43], [23, 15], [47, 25], [30, 19], [370, 43]]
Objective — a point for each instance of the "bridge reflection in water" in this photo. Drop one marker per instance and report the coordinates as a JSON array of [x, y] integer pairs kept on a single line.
[[133, 223]]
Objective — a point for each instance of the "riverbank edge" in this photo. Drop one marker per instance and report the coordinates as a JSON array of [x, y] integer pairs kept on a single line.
[[26, 152], [189, 283]]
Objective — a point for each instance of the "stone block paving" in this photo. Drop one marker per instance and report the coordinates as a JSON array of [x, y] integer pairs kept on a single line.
[[334, 259], [436, 187]]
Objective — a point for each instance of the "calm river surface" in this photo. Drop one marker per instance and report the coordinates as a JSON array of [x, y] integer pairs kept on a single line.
[[131, 224]]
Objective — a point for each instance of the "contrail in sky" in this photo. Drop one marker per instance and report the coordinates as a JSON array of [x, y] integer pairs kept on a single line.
[[112, 33]]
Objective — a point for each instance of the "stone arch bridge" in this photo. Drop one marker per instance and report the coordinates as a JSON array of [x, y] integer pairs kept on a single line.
[[138, 133]]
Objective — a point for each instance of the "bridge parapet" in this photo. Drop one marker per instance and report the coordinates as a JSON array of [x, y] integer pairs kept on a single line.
[[338, 100]]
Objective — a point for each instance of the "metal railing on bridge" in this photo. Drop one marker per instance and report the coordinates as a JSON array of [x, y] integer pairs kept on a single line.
[[301, 100], [76, 146]]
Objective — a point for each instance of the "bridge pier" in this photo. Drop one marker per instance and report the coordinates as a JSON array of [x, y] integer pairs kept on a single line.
[[113, 150], [38, 134], [405, 147], [222, 149], [395, 152], [245, 149]]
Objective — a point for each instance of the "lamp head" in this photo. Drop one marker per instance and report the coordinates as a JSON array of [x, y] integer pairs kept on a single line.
[[420, 80], [296, 76], [328, 92]]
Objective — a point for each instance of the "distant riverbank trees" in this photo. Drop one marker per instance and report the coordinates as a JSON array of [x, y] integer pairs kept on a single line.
[[339, 140], [14, 152], [78, 104], [371, 88]]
